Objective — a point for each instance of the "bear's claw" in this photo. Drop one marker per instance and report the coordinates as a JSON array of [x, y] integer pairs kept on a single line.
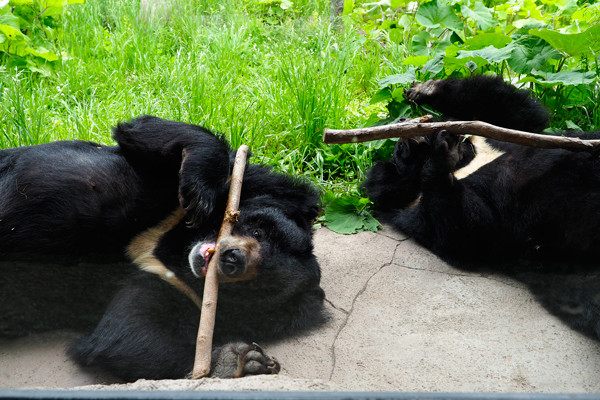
[[236, 360]]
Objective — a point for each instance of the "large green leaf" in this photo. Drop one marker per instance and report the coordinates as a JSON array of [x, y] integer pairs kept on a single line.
[[382, 95], [11, 33], [420, 42], [18, 47], [344, 223], [13, 41], [529, 54], [568, 9], [348, 7], [417, 61], [567, 78], [369, 222], [20, 2], [8, 19], [375, 9], [490, 53], [481, 15], [435, 15], [347, 215], [434, 66], [52, 3], [482, 40], [588, 13], [399, 79], [43, 53], [571, 44], [53, 8], [39, 66], [452, 64]]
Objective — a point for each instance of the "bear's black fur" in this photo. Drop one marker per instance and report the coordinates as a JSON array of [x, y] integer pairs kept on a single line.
[[528, 212], [69, 209]]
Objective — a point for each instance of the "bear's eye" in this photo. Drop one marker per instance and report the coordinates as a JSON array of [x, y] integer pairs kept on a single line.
[[257, 233]]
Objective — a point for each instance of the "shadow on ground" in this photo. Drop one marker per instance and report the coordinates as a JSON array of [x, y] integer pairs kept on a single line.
[[401, 320]]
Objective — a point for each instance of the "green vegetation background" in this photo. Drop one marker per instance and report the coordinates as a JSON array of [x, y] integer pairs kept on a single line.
[[274, 73]]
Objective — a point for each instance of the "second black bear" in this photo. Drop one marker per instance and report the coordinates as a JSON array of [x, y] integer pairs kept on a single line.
[[68, 210], [477, 202]]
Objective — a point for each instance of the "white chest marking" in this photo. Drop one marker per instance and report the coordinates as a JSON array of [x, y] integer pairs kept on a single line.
[[485, 155]]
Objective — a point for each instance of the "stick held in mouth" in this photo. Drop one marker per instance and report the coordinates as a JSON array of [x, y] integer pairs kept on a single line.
[[211, 282]]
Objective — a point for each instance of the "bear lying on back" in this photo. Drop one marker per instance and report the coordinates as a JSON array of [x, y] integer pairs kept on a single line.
[[68, 210], [477, 202]]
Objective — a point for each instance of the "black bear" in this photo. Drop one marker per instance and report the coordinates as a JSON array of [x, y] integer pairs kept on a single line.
[[70, 209], [475, 202]]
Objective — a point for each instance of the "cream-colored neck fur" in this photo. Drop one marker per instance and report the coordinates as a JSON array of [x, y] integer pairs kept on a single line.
[[141, 252], [485, 155]]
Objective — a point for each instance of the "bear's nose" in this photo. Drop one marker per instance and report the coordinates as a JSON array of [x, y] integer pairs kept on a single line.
[[232, 262]]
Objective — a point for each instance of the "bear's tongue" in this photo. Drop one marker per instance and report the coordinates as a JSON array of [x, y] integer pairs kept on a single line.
[[207, 250]]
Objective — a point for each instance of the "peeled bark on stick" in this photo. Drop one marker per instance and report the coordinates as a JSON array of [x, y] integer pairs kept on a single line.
[[421, 127], [211, 281]]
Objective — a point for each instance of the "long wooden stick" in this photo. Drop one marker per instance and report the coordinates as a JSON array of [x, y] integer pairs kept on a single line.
[[420, 127], [211, 281]]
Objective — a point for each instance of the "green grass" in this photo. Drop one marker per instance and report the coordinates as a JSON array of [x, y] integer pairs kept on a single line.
[[218, 64]]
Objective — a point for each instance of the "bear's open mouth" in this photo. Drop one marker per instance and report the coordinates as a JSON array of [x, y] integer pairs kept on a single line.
[[207, 250]]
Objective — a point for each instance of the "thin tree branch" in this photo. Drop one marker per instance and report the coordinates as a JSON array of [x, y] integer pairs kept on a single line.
[[421, 127], [211, 282]]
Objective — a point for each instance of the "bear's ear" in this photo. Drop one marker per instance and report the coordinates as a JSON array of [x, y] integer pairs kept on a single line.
[[296, 197], [313, 212], [298, 200], [307, 198]]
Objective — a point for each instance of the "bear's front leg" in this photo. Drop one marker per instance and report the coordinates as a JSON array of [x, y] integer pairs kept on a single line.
[[395, 184], [452, 218], [445, 156], [238, 359], [175, 151]]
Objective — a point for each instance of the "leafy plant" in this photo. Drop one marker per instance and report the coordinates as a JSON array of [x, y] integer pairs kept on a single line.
[[349, 214], [29, 30], [551, 45], [273, 12], [276, 86]]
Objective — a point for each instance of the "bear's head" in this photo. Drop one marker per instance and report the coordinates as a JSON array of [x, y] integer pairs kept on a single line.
[[267, 265], [274, 224]]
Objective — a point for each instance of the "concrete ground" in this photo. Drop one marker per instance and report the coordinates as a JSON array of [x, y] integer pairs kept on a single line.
[[402, 320]]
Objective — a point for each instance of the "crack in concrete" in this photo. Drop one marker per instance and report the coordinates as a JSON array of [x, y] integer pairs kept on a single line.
[[335, 307], [515, 283], [392, 236], [439, 272], [489, 276], [349, 313]]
